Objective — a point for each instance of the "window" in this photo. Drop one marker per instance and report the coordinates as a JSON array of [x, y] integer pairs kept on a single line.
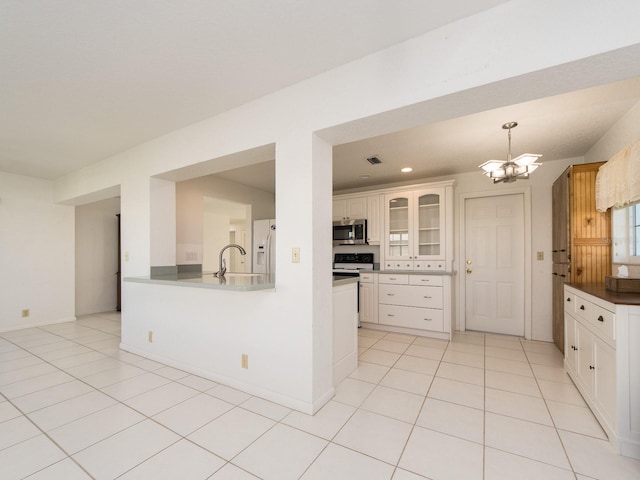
[[634, 234], [626, 234]]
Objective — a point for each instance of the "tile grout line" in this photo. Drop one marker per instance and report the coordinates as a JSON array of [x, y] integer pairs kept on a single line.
[[555, 427]]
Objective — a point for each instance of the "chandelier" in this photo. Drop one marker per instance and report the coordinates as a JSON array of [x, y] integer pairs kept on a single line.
[[510, 170]]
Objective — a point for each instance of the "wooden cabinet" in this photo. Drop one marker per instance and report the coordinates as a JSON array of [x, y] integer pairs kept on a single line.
[[581, 237], [349, 208], [601, 344], [418, 228]]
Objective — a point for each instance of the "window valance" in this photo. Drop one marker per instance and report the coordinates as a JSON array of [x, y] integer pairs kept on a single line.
[[618, 180]]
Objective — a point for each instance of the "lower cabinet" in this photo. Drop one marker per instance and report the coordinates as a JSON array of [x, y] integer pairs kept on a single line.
[[368, 298], [601, 341], [412, 303]]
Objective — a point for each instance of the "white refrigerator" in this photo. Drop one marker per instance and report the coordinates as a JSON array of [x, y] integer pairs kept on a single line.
[[264, 246]]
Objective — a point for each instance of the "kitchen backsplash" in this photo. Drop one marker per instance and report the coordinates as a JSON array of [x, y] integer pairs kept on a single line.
[[634, 270]]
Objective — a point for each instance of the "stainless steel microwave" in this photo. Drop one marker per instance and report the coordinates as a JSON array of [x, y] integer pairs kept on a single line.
[[350, 232]]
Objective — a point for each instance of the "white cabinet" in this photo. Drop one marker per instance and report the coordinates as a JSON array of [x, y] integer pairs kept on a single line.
[[602, 340], [374, 223], [349, 208], [345, 331], [369, 297], [362, 206], [414, 301], [418, 228]]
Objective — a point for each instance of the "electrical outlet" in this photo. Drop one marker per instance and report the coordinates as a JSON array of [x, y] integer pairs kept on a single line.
[[295, 255], [245, 360], [150, 336], [540, 255], [25, 312]]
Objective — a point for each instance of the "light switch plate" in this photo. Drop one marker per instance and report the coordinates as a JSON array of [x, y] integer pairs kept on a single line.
[[295, 255], [540, 255]]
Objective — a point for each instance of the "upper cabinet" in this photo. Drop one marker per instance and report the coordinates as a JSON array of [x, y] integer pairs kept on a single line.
[[349, 208], [417, 229], [413, 225], [358, 207]]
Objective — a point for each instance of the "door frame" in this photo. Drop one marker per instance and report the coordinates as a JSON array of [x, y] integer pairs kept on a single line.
[[525, 191]]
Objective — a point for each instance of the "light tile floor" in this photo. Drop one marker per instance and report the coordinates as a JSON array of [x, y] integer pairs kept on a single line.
[[74, 406]]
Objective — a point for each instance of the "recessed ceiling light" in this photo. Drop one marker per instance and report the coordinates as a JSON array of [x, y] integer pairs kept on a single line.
[[406, 170], [366, 175]]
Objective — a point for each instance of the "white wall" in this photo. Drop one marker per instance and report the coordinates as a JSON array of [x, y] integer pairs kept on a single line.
[[163, 222], [36, 254], [456, 70], [96, 253]]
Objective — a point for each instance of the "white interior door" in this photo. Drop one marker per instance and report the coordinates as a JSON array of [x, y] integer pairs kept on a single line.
[[494, 264]]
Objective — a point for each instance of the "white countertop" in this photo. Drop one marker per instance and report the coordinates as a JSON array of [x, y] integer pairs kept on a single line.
[[410, 272], [231, 281]]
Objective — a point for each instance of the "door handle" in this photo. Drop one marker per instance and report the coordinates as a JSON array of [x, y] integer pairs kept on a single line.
[[469, 271]]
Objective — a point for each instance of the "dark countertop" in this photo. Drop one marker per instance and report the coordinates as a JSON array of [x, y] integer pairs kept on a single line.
[[599, 290]]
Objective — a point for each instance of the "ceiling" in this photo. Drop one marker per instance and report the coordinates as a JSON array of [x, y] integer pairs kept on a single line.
[[558, 127], [83, 80]]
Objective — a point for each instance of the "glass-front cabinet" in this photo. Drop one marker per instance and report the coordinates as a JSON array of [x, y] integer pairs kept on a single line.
[[398, 223], [428, 216], [415, 233]]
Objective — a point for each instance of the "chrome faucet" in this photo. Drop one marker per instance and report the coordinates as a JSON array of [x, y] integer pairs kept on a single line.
[[223, 263]]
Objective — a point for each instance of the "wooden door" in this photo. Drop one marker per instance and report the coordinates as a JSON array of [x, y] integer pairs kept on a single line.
[[119, 272], [590, 229], [560, 245], [494, 264]]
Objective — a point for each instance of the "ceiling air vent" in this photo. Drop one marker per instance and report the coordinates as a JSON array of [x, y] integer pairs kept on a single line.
[[374, 160]]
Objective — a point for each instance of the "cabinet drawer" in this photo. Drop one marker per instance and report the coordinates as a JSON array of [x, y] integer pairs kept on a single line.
[[601, 320], [366, 277], [430, 280], [434, 265], [411, 295], [402, 279], [411, 317], [398, 265], [569, 300]]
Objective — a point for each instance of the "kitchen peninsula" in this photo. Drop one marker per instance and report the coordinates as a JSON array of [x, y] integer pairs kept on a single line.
[[215, 328]]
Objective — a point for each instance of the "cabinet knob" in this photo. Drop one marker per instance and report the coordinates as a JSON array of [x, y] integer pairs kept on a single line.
[[428, 319], [568, 299], [591, 367], [469, 271], [427, 296], [601, 318], [581, 307]]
